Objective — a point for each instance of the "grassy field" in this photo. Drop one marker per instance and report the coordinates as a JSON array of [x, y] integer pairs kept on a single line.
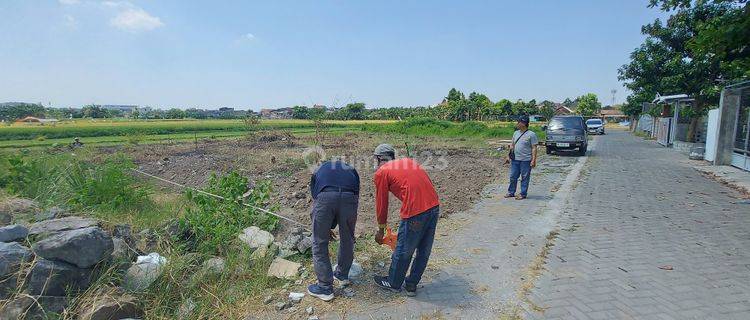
[[109, 127], [117, 131], [105, 132]]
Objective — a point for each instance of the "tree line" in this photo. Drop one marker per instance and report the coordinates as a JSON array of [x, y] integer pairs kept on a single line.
[[702, 47], [455, 107]]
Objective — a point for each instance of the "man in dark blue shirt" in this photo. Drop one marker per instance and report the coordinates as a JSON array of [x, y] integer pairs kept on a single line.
[[335, 190]]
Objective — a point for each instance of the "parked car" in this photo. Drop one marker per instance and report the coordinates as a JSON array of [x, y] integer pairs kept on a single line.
[[566, 133], [595, 126]]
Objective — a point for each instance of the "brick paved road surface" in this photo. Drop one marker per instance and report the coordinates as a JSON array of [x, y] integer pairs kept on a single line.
[[645, 236], [480, 256]]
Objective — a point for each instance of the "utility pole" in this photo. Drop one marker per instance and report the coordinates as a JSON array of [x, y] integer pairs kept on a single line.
[[614, 92]]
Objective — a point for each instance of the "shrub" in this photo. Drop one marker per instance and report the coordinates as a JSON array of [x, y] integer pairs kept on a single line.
[[65, 179], [134, 138], [108, 186], [216, 222]]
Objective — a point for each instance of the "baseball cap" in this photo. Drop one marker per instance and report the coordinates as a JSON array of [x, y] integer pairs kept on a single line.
[[384, 150]]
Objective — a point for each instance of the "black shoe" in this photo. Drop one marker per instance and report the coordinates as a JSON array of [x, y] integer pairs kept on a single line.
[[411, 289], [383, 283]]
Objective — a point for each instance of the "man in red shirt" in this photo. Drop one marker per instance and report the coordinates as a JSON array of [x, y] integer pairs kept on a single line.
[[408, 181]]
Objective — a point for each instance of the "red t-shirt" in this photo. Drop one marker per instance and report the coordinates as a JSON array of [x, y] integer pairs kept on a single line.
[[408, 181]]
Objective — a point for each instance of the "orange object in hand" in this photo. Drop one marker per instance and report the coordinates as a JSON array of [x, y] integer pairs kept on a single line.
[[390, 239]]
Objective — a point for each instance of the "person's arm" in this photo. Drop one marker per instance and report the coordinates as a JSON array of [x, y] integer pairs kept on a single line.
[[534, 142], [356, 178], [312, 184], [381, 204]]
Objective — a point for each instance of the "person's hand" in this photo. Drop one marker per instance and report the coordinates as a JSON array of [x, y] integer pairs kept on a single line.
[[507, 161], [533, 163], [333, 235], [379, 236]]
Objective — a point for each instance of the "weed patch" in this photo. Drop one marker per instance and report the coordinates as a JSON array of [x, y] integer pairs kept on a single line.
[[216, 222]]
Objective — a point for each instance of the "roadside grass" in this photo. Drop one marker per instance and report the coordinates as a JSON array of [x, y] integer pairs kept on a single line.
[[643, 135]]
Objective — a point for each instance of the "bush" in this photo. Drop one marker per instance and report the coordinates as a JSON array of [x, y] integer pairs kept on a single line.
[[67, 180], [134, 138], [107, 186], [216, 222]]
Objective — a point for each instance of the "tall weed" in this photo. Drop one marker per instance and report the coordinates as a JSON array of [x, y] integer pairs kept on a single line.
[[216, 222]]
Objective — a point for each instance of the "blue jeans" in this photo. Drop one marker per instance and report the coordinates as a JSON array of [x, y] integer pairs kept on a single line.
[[414, 234], [522, 169]]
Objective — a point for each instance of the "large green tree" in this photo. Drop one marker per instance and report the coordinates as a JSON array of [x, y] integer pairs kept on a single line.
[[353, 111], [547, 109], [300, 112], [175, 113], [702, 46], [588, 105], [12, 111]]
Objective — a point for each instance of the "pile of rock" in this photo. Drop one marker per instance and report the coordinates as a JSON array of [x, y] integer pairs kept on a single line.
[[262, 242], [299, 241], [45, 264]]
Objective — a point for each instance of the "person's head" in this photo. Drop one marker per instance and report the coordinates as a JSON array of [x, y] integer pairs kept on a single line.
[[384, 153], [523, 123]]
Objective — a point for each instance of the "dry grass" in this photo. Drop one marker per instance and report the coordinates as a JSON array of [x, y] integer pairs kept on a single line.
[[535, 269]]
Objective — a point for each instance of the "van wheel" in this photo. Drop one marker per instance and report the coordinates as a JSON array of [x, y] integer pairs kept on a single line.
[[582, 150], [549, 150]]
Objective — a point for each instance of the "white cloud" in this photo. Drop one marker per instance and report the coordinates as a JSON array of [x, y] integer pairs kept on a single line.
[[116, 4], [249, 36], [70, 21], [134, 20], [70, 1]]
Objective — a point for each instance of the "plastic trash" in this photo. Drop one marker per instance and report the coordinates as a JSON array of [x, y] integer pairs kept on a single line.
[[390, 239], [151, 258]]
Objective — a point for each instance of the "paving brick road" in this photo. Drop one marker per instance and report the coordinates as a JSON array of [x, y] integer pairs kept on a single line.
[[480, 256], [645, 236]]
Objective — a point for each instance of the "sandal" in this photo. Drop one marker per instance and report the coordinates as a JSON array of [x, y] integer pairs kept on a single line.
[[508, 195], [520, 197]]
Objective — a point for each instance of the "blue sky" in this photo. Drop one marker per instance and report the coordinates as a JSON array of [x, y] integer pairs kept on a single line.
[[179, 53]]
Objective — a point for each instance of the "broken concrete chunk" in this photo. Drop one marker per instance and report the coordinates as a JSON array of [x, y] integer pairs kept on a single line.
[[296, 297], [144, 272], [255, 238], [284, 269]]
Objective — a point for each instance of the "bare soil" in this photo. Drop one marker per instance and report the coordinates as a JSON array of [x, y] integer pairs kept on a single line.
[[458, 169]]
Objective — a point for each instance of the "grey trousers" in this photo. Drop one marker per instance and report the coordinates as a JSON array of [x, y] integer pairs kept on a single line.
[[329, 209]]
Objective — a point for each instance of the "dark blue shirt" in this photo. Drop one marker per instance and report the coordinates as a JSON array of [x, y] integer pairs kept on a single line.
[[334, 174]]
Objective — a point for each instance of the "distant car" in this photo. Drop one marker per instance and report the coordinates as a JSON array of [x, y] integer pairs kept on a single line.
[[566, 133], [595, 126]]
